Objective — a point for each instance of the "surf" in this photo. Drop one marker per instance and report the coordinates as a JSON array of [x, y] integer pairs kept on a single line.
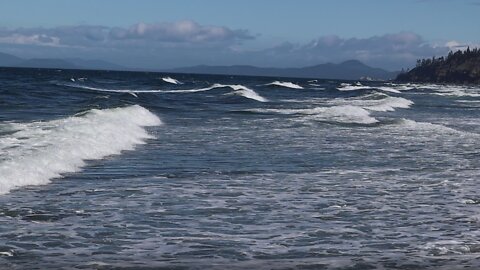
[[35, 153], [373, 103], [285, 84], [171, 80], [344, 114], [238, 89]]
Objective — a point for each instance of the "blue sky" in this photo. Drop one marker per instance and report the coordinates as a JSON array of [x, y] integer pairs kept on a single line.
[[164, 34]]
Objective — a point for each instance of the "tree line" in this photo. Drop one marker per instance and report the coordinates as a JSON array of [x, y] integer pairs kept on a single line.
[[453, 57]]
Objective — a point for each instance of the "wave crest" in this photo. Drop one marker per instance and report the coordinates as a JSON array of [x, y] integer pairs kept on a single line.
[[285, 84], [37, 152], [237, 89], [340, 114], [171, 80]]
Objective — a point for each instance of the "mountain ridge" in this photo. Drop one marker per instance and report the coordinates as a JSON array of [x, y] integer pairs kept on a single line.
[[8, 60], [347, 70]]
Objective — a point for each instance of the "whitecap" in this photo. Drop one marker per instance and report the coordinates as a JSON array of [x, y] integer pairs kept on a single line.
[[435, 128], [350, 87], [388, 104], [457, 91], [6, 253], [40, 151], [388, 89], [136, 91], [285, 84], [340, 114], [81, 79], [246, 92], [384, 104], [238, 89], [171, 80], [358, 86]]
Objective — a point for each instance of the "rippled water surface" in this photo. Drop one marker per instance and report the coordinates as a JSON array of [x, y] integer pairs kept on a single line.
[[106, 170]]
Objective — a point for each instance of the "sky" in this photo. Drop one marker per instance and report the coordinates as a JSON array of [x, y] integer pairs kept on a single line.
[[158, 34]]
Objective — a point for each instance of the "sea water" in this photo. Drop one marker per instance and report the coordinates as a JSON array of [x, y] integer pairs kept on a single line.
[[105, 170]]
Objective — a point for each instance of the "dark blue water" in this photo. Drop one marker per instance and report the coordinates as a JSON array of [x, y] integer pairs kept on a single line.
[[106, 170]]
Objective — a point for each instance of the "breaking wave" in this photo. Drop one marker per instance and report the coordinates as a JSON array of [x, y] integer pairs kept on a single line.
[[436, 129], [340, 114], [285, 84], [351, 87], [358, 86], [34, 153], [385, 104], [246, 92], [237, 89], [171, 80], [457, 91]]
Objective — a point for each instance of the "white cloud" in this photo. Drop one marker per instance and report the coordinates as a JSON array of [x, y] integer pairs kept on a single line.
[[140, 34], [454, 45], [183, 43], [393, 51], [36, 39], [181, 31]]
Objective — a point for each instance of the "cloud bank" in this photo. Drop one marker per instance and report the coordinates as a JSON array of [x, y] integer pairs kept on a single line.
[[156, 34], [391, 50], [183, 43]]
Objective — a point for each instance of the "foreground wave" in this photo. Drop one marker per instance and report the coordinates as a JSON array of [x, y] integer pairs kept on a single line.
[[36, 152]]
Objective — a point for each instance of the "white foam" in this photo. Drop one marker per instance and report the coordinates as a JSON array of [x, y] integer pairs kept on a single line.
[[388, 89], [348, 114], [448, 90], [341, 114], [37, 152], [238, 89], [391, 88], [457, 91], [6, 253], [82, 79], [436, 129], [171, 80], [385, 104], [349, 87], [246, 92], [444, 247], [285, 84]]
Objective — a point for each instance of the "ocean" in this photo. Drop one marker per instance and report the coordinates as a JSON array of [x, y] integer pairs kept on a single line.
[[138, 170]]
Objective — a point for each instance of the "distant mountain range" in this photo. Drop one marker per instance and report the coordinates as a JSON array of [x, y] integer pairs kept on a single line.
[[348, 70], [8, 60]]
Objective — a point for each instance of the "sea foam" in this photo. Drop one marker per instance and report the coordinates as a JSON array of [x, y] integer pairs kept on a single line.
[[171, 80], [285, 84], [436, 129], [237, 89], [358, 86], [246, 92], [385, 104], [34, 153], [340, 114]]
